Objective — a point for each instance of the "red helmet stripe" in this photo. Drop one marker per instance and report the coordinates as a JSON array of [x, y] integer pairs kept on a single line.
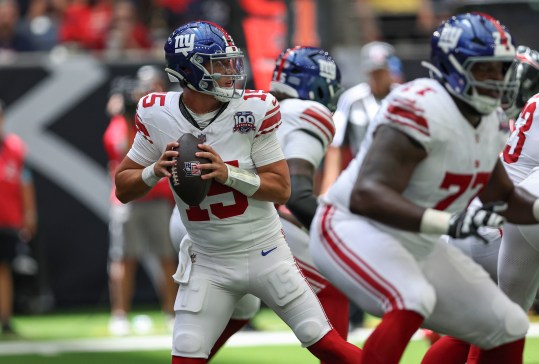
[[283, 60], [228, 38], [496, 23]]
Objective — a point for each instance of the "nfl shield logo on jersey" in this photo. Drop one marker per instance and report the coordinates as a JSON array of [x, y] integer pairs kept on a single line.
[[201, 138], [191, 169], [244, 121]]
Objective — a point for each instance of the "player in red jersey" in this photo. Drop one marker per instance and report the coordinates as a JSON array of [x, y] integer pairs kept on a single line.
[[18, 215]]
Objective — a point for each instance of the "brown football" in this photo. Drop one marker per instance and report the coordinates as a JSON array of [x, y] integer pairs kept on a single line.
[[185, 179]]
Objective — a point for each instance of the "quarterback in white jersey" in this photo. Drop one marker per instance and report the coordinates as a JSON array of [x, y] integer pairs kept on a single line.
[[234, 244], [433, 146], [309, 84], [244, 124]]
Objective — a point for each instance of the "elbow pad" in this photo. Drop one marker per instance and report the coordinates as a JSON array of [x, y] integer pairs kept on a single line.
[[302, 202]]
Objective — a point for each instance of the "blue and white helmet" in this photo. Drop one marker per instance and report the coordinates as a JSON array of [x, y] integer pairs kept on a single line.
[[200, 53], [308, 73], [461, 42]]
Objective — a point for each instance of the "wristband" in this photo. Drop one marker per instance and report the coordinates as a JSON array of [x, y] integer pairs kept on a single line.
[[434, 222], [242, 180], [536, 209], [149, 177]]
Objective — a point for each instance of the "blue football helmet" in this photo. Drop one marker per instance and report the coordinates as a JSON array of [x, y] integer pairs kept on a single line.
[[308, 73], [459, 44], [202, 56], [526, 73]]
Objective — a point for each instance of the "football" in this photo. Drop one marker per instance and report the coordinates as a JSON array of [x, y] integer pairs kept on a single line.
[[185, 175]]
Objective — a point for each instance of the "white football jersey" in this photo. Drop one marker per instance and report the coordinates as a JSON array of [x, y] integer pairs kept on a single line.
[[226, 219], [306, 131], [460, 157], [521, 152], [356, 108]]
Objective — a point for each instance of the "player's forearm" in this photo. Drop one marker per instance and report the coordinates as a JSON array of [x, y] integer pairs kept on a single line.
[[387, 206], [332, 168], [130, 186], [273, 187], [30, 210], [521, 206], [302, 202]]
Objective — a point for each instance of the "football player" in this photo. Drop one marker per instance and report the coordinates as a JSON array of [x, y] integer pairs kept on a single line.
[[518, 261], [306, 82], [519, 159], [512, 261], [433, 146], [235, 243]]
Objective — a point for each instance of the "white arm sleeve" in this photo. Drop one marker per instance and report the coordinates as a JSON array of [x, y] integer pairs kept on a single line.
[[340, 118], [266, 150]]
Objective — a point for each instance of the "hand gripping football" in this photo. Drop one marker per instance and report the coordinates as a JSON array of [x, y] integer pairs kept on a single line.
[[185, 175]]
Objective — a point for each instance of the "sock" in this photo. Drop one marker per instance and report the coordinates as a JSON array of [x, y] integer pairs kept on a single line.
[[447, 350], [333, 349], [337, 308], [507, 353], [473, 354], [387, 342], [182, 360], [231, 328]]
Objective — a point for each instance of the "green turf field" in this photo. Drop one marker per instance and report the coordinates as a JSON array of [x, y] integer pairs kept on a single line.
[[54, 329]]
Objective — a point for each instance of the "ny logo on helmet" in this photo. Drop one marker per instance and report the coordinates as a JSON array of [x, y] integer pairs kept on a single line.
[[449, 38], [327, 69], [184, 43]]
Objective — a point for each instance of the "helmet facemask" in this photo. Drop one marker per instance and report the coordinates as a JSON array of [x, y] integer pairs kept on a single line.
[[505, 89], [459, 45], [224, 74], [202, 56], [526, 73]]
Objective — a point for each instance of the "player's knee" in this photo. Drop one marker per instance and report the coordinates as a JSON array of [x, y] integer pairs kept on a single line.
[[188, 344], [517, 323], [310, 331], [512, 324], [246, 308]]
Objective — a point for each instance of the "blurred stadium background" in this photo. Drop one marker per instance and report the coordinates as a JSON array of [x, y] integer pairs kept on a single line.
[[56, 92]]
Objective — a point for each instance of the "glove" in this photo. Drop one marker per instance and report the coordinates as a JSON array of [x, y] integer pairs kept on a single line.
[[466, 223]]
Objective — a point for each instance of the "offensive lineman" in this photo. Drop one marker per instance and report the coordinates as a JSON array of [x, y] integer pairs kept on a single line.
[[513, 260], [433, 146], [235, 245]]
